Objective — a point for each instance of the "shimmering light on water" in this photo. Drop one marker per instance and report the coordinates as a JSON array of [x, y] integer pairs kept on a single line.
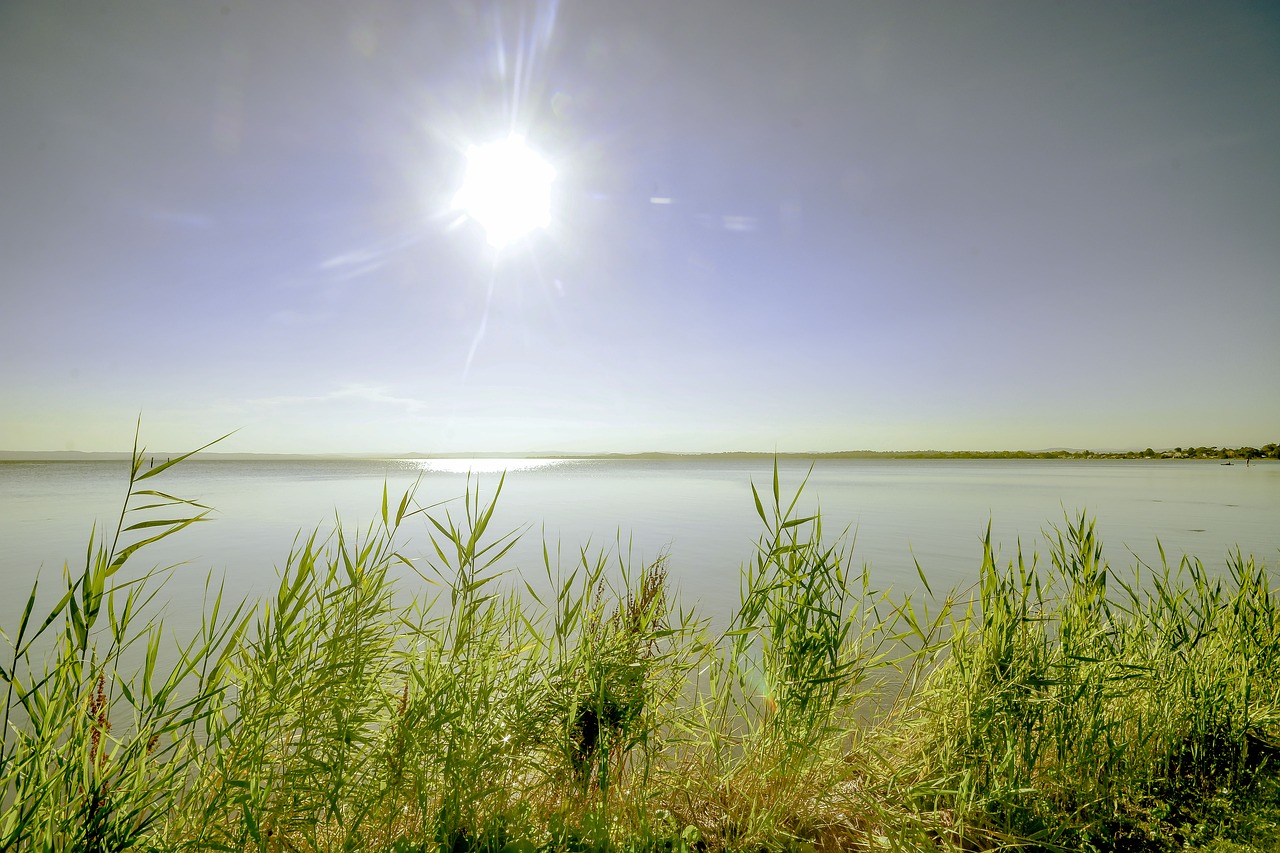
[[480, 465]]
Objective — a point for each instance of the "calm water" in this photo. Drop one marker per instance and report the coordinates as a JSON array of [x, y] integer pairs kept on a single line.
[[702, 513]]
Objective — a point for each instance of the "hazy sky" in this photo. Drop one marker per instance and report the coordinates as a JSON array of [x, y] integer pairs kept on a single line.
[[893, 225]]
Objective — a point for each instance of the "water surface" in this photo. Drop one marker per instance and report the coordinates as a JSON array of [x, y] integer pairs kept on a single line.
[[700, 512]]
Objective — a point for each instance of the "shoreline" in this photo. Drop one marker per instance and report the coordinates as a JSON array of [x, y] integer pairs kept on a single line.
[[1269, 452]]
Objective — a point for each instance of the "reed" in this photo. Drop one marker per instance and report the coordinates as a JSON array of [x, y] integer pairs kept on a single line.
[[1055, 705], [1077, 709]]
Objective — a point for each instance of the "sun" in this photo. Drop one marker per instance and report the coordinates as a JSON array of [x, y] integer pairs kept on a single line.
[[507, 190]]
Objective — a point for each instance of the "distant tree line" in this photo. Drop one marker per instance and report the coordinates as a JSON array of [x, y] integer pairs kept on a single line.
[[1267, 451]]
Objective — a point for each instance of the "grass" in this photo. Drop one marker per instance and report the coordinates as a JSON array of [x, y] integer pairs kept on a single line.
[[1056, 705]]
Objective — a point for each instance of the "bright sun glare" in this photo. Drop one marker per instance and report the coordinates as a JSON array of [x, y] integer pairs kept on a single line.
[[507, 190]]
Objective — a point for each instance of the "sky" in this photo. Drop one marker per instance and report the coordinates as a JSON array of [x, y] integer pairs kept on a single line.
[[774, 226]]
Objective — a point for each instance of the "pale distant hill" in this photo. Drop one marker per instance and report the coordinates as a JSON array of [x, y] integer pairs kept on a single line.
[[84, 456]]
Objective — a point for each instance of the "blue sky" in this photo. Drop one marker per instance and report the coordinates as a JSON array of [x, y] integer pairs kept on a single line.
[[892, 226]]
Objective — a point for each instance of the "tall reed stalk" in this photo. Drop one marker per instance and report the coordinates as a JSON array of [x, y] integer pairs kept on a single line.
[[99, 737]]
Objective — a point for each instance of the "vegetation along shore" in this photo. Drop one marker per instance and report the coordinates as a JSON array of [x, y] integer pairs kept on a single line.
[[1057, 703]]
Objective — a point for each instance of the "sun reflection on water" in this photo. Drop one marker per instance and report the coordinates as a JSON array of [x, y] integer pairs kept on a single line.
[[482, 465]]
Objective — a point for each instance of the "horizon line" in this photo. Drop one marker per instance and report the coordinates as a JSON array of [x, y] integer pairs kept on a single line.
[[54, 455]]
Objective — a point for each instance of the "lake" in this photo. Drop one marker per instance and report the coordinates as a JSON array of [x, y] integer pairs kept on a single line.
[[699, 511]]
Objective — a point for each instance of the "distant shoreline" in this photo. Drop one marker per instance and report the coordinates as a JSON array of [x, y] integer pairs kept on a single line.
[[1241, 454]]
